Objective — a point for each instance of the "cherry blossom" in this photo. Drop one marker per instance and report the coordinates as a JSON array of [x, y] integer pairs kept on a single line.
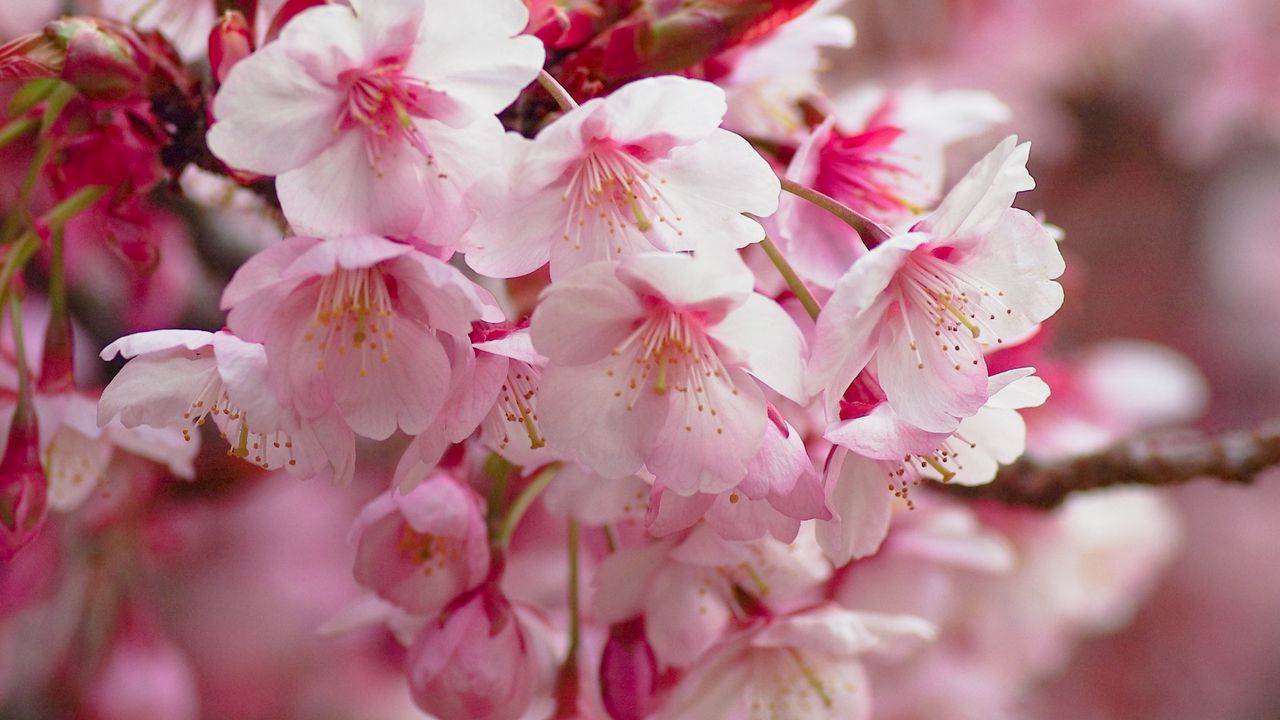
[[882, 154], [660, 361], [183, 378], [376, 117], [801, 666], [925, 304], [356, 324], [645, 168], [422, 549]]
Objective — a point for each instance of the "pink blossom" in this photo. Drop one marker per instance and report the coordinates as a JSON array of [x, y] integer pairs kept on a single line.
[[422, 549], [356, 324], [658, 361], [770, 78], [144, 677], [692, 590], [805, 665], [645, 168], [781, 488], [376, 118], [878, 446], [181, 378], [882, 155], [926, 304], [495, 393], [475, 663]]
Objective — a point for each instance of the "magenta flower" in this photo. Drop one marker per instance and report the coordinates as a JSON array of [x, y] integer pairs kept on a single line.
[[926, 304], [645, 168], [659, 362], [375, 118]]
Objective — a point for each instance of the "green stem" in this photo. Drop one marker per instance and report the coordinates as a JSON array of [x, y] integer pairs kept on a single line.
[[523, 502], [17, 128], [557, 91], [27, 244], [794, 282], [848, 215]]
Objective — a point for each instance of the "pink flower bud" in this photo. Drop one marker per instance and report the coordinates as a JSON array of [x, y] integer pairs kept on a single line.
[[474, 664], [23, 488], [144, 677], [230, 42], [628, 672], [102, 60]]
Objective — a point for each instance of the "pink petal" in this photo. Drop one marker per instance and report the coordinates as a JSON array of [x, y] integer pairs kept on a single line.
[[764, 338], [582, 318], [862, 507], [155, 341]]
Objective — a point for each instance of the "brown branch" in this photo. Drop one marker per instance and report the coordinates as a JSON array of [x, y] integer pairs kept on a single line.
[[1165, 459]]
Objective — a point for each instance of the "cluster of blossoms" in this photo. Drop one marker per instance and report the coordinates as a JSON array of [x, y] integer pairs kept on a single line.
[[715, 332]]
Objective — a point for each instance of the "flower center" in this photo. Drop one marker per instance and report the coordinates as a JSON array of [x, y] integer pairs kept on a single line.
[[858, 170], [958, 306], [432, 552], [516, 403], [670, 353], [260, 448], [353, 314], [612, 188], [386, 103]]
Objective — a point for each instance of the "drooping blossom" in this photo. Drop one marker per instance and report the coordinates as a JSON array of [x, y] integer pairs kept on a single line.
[[924, 305], [781, 489], [881, 153], [376, 118], [478, 661], [645, 168], [183, 378], [354, 323], [806, 665], [877, 457], [692, 589], [659, 361], [494, 394], [421, 549]]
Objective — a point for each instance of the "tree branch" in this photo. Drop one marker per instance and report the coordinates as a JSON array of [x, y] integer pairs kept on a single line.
[[1171, 458]]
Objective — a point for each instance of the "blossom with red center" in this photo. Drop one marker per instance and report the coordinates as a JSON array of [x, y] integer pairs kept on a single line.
[[376, 118], [881, 154], [645, 168], [926, 304], [355, 324], [661, 361]]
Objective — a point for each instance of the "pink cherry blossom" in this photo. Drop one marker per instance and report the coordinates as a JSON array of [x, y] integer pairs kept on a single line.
[[182, 378], [476, 663], [494, 393], [376, 118], [645, 168], [422, 549], [355, 324], [878, 446], [925, 304], [882, 155], [805, 665], [692, 590], [781, 489], [660, 361], [770, 78]]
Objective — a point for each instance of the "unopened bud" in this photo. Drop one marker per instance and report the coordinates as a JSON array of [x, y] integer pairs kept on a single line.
[[23, 488], [230, 42], [628, 672]]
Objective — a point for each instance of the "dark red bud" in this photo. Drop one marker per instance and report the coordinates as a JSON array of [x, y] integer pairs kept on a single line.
[[230, 42], [628, 672]]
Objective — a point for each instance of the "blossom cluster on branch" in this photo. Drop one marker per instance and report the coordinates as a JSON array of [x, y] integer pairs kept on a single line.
[[623, 280]]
